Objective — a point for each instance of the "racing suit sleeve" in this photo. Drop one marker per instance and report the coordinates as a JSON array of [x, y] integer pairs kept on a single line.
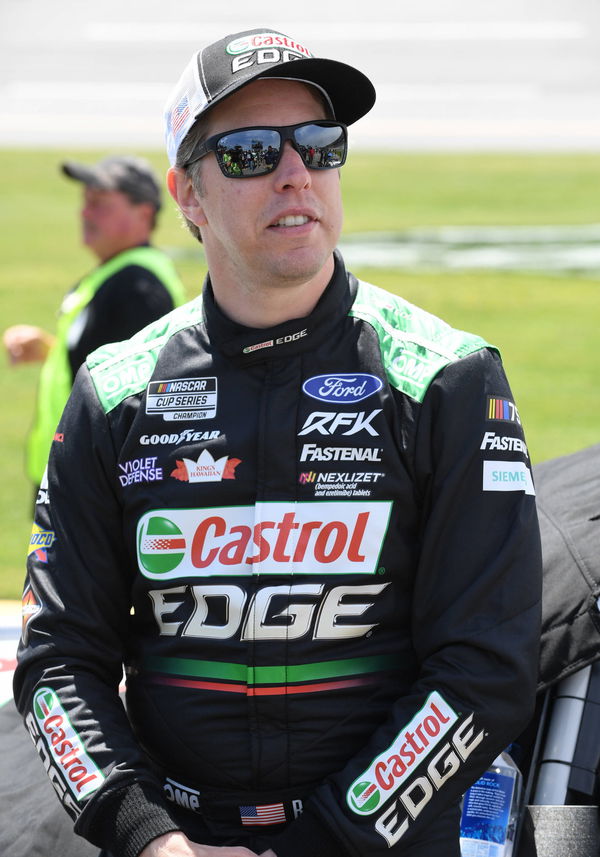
[[77, 601], [475, 629]]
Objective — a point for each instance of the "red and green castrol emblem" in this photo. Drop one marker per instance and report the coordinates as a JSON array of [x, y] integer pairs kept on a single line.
[[365, 796], [161, 545]]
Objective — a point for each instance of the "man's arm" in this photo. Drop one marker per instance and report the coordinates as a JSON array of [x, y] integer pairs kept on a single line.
[[26, 343], [475, 630], [70, 659]]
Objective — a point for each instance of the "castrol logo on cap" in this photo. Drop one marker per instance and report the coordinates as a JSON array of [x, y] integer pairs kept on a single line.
[[412, 745], [267, 538], [265, 40]]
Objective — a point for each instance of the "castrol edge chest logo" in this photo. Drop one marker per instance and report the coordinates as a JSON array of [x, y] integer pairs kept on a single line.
[[267, 538], [411, 746]]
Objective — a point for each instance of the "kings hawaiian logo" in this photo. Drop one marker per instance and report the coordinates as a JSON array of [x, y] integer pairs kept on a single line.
[[205, 469], [268, 538], [342, 387]]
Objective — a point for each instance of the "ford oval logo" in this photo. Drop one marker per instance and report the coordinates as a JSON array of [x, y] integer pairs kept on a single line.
[[343, 387]]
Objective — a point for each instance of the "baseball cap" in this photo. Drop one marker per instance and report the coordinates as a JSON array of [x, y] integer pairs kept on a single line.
[[219, 69], [129, 174]]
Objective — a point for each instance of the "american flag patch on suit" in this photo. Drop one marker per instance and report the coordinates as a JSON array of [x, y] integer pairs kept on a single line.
[[269, 813]]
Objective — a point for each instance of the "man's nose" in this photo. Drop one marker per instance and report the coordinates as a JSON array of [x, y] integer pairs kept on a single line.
[[291, 170]]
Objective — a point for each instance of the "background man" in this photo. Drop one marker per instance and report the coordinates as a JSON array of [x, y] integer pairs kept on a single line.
[[133, 285], [317, 499]]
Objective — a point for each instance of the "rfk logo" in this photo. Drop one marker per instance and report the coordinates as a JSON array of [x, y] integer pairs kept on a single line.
[[328, 423]]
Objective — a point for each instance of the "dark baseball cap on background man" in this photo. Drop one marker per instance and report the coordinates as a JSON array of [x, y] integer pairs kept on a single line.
[[219, 69], [129, 174]]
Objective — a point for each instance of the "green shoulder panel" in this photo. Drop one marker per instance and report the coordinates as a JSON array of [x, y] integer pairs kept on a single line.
[[415, 345], [122, 369]]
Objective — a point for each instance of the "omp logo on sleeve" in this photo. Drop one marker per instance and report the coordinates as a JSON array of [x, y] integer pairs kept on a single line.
[[80, 773], [267, 538], [390, 769]]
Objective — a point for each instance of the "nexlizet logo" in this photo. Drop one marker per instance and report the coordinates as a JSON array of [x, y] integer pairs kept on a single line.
[[79, 771], [268, 538], [390, 769]]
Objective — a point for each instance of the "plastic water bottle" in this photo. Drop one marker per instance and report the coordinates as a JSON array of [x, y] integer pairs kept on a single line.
[[490, 811]]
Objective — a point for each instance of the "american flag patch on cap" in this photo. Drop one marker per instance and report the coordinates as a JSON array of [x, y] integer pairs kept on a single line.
[[269, 813]]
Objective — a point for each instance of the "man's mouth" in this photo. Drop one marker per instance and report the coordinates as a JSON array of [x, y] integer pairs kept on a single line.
[[292, 220]]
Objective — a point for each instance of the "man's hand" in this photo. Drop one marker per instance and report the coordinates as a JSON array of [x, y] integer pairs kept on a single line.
[[268, 853], [27, 344], [175, 844]]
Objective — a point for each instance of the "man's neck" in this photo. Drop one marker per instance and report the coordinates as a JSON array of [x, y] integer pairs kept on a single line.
[[266, 306]]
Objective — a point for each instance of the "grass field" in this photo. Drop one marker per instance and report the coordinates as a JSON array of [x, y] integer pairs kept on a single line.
[[546, 326]]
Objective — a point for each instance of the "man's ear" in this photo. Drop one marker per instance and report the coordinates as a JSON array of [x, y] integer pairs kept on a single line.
[[180, 188]]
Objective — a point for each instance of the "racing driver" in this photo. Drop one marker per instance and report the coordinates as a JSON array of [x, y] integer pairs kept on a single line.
[[298, 511]]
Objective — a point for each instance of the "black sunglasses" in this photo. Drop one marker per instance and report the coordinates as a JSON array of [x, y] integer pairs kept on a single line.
[[247, 152]]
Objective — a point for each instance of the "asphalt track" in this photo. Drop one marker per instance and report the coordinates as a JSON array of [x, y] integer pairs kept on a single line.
[[463, 75]]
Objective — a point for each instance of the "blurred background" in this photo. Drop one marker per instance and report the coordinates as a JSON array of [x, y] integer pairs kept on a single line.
[[472, 187]]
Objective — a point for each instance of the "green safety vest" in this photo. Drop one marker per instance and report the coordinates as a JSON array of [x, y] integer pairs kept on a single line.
[[56, 378]]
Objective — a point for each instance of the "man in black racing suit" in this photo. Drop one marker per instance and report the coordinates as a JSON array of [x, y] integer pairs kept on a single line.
[[299, 510]]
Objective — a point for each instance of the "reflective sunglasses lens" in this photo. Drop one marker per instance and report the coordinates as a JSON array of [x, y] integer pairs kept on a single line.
[[248, 153], [323, 147]]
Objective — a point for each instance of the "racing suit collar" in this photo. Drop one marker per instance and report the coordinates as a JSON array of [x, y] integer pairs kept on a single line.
[[247, 345]]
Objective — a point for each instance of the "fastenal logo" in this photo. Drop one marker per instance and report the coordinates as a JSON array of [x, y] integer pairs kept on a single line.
[[343, 387], [504, 443], [78, 770], [161, 545], [269, 538], [412, 745]]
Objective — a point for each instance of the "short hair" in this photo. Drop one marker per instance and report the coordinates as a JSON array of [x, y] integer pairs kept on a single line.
[[196, 135]]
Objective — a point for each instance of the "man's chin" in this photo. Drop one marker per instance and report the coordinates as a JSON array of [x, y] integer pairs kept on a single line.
[[301, 266]]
